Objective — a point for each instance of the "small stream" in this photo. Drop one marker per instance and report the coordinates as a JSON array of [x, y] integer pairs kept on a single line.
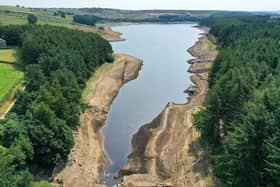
[[162, 79]]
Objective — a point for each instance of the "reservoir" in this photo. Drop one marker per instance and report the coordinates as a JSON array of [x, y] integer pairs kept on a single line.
[[162, 79]]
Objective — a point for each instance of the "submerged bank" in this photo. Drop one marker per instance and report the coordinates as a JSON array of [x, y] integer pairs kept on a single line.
[[87, 157], [167, 149]]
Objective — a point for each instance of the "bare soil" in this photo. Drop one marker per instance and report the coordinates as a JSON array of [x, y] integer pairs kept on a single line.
[[167, 152], [110, 35], [87, 157]]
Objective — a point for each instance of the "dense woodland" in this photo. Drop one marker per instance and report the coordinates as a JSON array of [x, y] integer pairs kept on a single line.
[[241, 117], [38, 131], [86, 19], [92, 20]]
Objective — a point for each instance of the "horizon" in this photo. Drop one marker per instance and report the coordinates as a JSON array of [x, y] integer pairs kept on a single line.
[[221, 10], [202, 5]]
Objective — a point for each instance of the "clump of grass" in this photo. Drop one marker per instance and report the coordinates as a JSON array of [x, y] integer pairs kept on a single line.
[[93, 81], [211, 46], [210, 181]]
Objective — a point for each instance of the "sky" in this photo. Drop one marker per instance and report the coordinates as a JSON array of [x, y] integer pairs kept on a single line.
[[247, 5]]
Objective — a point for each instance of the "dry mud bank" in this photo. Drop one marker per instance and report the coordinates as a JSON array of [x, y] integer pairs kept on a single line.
[[110, 35], [87, 157], [166, 151]]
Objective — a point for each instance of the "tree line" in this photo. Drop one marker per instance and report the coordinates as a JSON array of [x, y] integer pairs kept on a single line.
[[92, 20], [38, 131], [86, 19], [241, 117]]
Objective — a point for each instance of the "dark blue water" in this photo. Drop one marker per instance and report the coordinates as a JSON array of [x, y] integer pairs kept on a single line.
[[163, 79]]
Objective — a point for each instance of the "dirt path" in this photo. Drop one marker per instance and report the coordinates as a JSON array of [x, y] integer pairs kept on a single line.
[[167, 151], [7, 110], [87, 157]]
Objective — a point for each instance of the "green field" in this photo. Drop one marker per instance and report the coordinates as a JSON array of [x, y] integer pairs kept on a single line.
[[18, 15], [10, 78]]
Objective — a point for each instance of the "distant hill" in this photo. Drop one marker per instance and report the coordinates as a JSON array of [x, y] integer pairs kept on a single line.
[[64, 16], [18, 16], [143, 14]]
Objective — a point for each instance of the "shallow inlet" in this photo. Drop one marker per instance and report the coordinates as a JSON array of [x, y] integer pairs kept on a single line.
[[163, 79]]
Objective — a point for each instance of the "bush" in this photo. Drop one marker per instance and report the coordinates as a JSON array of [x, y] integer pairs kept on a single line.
[[32, 19]]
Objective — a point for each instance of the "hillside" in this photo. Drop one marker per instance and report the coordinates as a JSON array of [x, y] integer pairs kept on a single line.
[[18, 15], [53, 16], [142, 14], [240, 118], [11, 78]]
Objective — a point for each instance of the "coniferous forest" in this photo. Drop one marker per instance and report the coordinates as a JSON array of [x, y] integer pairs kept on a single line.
[[241, 117], [38, 131]]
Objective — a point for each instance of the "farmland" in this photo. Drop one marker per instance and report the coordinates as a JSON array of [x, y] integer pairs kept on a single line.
[[10, 78], [52, 16], [18, 16]]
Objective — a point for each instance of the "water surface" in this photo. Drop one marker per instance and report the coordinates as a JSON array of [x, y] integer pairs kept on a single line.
[[162, 79]]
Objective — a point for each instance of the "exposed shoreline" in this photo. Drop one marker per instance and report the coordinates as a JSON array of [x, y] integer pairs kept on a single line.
[[87, 158], [165, 151], [150, 163], [109, 34]]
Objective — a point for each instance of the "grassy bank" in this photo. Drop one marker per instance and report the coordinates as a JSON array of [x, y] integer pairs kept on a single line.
[[95, 79], [10, 82], [10, 78]]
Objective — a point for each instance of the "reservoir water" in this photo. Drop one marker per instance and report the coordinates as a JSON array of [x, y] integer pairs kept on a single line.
[[162, 79]]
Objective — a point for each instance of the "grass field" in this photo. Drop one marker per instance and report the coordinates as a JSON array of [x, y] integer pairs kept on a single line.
[[18, 16], [10, 82], [8, 55], [10, 78]]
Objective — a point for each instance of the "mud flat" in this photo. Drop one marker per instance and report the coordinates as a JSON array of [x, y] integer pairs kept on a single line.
[[166, 152], [110, 35], [87, 157]]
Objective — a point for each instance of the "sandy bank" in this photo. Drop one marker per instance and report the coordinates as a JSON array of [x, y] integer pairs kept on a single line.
[[110, 35], [167, 151], [87, 157]]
